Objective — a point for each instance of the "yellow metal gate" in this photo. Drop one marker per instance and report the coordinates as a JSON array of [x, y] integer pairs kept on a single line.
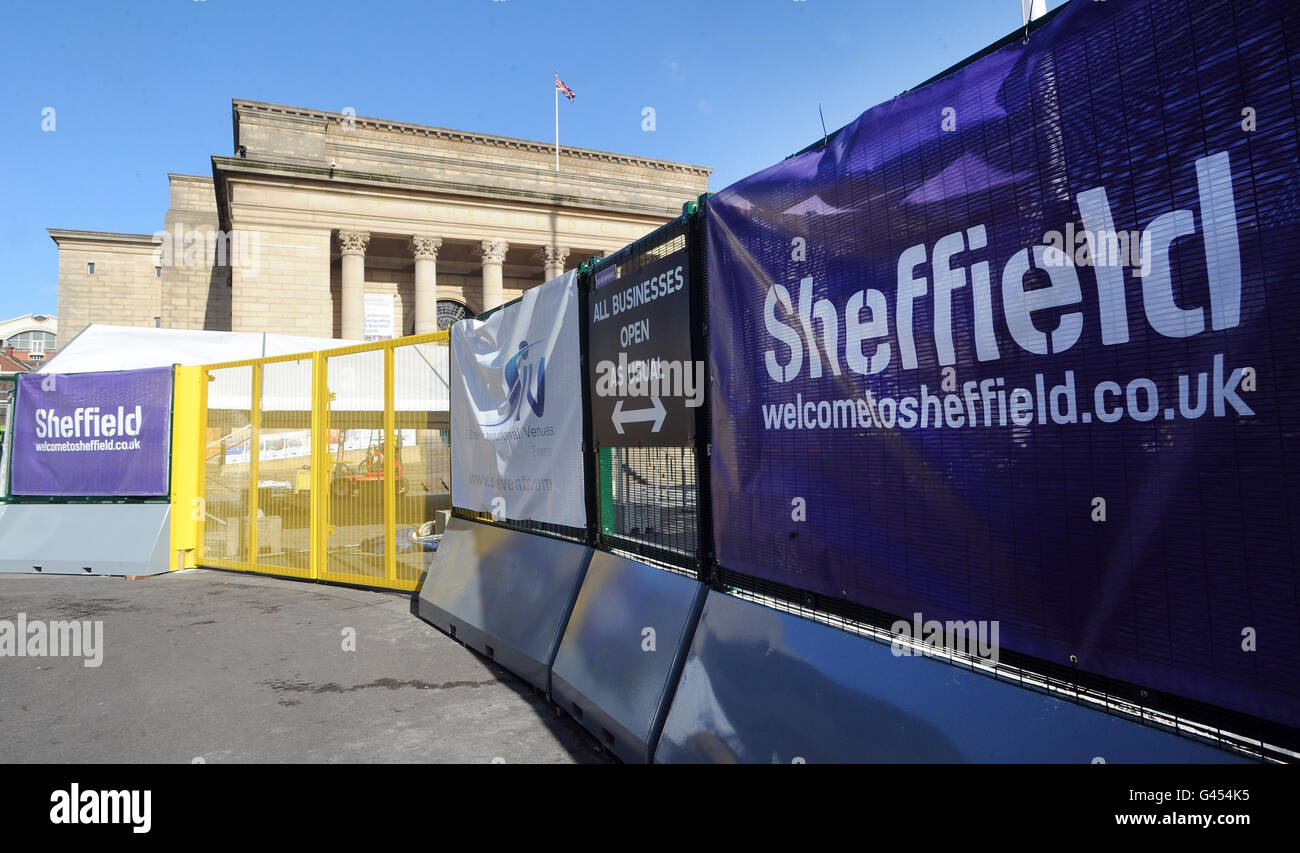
[[332, 465]]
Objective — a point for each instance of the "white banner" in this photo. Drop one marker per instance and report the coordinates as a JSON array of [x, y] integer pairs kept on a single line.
[[516, 409], [377, 316]]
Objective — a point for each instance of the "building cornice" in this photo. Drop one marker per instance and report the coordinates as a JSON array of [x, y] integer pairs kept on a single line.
[[224, 167], [475, 138], [61, 235]]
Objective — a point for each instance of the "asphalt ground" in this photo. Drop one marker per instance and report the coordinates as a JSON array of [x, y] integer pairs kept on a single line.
[[225, 667]]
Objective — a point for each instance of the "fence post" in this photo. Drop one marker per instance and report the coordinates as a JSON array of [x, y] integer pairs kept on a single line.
[[254, 457], [697, 253], [200, 535], [318, 492], [390, 469], [590, 456]]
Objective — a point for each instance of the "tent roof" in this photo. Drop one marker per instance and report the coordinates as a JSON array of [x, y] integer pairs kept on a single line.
[[99, 348], [355, 381]]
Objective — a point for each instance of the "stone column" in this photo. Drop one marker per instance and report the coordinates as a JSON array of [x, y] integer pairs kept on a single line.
[[493, 254], [352, 246], [553, 258], [425, 250]]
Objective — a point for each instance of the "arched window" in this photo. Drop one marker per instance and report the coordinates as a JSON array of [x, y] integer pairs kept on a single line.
[[449, 311], [35, 341]]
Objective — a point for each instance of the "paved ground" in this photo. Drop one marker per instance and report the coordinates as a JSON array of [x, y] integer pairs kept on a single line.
[[230, 667]]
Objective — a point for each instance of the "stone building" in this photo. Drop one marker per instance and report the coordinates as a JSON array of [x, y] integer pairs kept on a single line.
[[335, 225]]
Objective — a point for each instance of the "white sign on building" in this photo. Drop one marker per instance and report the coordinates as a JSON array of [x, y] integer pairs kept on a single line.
[[378, 318]]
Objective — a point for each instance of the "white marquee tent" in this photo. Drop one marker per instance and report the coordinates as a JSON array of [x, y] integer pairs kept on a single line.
[[100, 348]]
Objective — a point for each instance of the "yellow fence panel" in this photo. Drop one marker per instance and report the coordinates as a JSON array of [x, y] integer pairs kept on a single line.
[[284, 460], [227, 468], [361, 471], [420, 410]]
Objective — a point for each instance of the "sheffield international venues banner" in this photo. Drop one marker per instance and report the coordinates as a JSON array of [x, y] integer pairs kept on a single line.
[[516, 409]]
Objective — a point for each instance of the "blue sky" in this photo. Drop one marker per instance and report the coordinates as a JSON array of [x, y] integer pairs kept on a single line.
[[143, 88]]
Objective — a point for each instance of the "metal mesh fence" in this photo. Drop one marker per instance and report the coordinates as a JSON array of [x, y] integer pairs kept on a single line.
[[328, 465], [558, 531], [228, 468], [357, 468], [283, 453], [648, 501], [423, 448]]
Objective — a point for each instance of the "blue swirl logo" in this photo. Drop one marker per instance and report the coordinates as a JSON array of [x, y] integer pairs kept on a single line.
[[522, 384]]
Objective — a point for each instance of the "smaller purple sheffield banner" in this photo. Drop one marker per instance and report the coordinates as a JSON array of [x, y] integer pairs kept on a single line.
[[93, 434]]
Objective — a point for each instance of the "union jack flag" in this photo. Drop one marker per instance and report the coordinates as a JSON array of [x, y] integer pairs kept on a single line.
[[559, 84]]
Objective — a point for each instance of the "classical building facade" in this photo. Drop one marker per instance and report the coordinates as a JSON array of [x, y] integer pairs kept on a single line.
[[335, 225]]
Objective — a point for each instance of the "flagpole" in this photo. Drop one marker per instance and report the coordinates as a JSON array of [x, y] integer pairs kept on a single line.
[[557, 121]]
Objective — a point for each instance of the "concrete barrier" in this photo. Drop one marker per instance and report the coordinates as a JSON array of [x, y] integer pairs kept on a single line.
[[85, 538], [763, 686], [623, 651], [504, 593]]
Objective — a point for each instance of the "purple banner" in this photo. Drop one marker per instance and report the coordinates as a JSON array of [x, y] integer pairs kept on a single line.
[[1017, 349], [93, 434]]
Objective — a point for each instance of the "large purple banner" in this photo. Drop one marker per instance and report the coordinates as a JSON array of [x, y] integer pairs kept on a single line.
[[93, 434], [1019, 347]]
